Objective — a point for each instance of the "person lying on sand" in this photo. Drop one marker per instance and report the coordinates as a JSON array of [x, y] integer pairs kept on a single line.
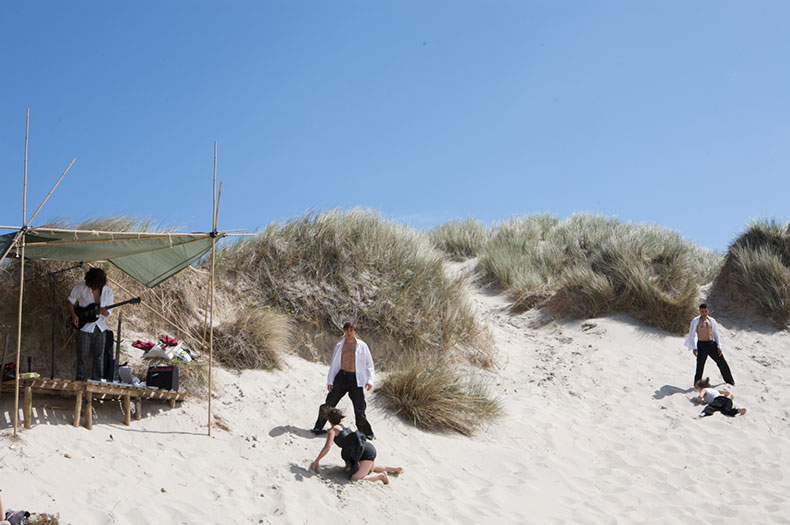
[[717, 400], [358, 453]]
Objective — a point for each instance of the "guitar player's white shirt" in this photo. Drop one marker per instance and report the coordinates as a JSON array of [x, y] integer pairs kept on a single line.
[[81, 295]]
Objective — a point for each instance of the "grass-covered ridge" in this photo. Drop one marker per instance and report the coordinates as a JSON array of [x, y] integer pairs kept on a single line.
[[328, 267], [590, 265], [756, 270]]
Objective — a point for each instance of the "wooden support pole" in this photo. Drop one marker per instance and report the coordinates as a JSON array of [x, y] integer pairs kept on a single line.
[[127, 410], [28, 405], [138, 408], [172, 402], [211, 290], [21, 285], [89, 410], [78, 408]]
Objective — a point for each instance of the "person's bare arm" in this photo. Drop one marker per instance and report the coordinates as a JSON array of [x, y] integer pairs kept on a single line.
[[330, 436]]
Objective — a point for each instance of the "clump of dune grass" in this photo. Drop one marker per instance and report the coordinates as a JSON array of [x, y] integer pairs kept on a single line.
[[434, 394], [254, 340], [587, 266], [459, 239], [333, 266], [757, 270]]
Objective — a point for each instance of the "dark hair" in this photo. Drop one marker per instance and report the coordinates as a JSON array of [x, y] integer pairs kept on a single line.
[[95, 279], [702, 383], [349, 324], [334, 416], [324, 409], [703, 305]]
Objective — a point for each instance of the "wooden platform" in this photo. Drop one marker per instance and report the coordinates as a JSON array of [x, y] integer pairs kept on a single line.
[[87, 391]]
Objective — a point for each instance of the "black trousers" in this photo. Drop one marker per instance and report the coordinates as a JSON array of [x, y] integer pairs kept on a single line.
[[346, 383], [710, 349], [721, 404], [90, 344]]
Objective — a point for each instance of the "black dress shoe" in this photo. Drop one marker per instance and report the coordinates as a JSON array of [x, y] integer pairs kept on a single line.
[[318, 431], [370, 437]]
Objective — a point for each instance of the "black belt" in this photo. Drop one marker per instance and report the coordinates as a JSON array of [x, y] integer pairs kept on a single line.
[[347, 372]]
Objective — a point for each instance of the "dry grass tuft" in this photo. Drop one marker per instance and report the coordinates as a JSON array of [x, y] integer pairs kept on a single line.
[[253, 340], [459, 239], [435, 395], [757, 270]]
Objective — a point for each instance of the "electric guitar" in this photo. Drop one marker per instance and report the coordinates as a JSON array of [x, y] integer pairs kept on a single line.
[[90, 313]]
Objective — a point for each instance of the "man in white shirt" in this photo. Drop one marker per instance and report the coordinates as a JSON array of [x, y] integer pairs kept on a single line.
[[704, 340], [90, 339], [350, 370]]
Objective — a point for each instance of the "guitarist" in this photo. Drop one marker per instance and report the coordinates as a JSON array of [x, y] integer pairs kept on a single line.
[[91, 338]]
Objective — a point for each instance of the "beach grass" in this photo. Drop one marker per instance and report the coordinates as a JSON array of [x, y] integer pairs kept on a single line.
[[254, 340], [587, 265], [757, 270], [326, 268], [433, 393], [459, 239]]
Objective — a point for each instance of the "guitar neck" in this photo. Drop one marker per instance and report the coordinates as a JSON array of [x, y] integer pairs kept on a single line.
[[134, 300]]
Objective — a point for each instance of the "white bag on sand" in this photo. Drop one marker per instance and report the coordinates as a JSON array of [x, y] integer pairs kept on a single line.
[[160, 352]]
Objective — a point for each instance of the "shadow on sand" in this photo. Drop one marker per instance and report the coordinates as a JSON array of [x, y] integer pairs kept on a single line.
[[279, 430], [668, 390]]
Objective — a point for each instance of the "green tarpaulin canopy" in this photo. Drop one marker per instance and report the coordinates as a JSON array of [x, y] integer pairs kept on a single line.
[[149, 258]]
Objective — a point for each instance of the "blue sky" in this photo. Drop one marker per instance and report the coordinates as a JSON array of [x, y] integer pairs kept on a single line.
[[675, 113]]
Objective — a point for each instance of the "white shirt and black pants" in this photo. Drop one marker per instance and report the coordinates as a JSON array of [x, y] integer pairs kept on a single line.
[[717, 403], [90, 339], [709, 348], [352, 383]]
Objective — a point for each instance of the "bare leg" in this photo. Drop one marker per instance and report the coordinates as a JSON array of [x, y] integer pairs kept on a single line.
[[389, 470], [366, 472]]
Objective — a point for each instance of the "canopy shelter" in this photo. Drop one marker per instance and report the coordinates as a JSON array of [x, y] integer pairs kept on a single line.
[[148, 257]]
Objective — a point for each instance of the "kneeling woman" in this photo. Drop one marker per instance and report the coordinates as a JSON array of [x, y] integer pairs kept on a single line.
[[358, 453]]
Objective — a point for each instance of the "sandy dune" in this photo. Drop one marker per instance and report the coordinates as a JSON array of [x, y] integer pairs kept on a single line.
[[599, 427]]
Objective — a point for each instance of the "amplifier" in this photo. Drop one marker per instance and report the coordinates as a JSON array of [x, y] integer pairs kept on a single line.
[[165, 377]]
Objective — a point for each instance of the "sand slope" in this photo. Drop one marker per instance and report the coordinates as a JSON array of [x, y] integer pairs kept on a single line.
[[599, 427]]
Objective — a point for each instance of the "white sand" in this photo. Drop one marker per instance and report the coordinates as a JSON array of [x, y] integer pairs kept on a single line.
[[599, 427]]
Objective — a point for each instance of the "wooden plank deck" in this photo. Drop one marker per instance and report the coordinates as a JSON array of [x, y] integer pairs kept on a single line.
[[89, 391]]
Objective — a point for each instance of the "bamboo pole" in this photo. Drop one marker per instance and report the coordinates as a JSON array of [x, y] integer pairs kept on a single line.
[[52, 190], [21, 284], [27, 223], [211, 287], [123, 235]]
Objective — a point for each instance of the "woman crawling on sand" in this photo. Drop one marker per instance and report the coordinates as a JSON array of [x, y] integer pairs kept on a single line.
[[356, 451], [717, 400]]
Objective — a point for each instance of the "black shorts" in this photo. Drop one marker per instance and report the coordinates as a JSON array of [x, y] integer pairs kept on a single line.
[[369, 452]]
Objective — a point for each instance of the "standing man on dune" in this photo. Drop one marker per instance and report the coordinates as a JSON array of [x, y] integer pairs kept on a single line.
[[350, 371], [704, 340]]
